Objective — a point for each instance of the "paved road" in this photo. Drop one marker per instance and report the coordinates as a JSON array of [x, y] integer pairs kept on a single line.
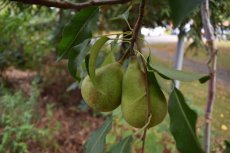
[[161, 39], [223, 75]]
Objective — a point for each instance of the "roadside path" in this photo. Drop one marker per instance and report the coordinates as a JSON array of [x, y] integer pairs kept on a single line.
[[223, 75]]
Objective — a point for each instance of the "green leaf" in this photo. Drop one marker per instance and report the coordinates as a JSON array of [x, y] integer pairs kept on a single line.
[[172, 74], [87, 63], [122, 147], [227, 145], [183, 124], [162, 83], [114, 43], [79, 29], [96, 141], [75, 60], [108, 59], [181, 9], [93, 56], [123, 16]]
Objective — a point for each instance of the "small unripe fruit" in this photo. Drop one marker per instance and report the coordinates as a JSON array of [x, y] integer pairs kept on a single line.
[[105, 95]]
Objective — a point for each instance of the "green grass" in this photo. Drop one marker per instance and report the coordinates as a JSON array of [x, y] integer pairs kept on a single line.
[[196, 93]]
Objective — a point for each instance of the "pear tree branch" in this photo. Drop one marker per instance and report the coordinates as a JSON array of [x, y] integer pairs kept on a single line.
[[71, 5], [137, 26], [212, 62]]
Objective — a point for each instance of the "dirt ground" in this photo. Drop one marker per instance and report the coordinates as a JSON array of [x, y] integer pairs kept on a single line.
[[75, 124]]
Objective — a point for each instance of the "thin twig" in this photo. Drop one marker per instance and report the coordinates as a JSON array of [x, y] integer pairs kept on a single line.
[[71, 5], [143, 141], [137, 26], [209, 34]]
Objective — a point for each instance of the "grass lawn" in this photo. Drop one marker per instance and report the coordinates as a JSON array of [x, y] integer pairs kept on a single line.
[[196, 93]]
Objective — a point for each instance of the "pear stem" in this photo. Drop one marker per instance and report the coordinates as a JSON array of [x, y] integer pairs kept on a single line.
[[135, 33], [122, 59]]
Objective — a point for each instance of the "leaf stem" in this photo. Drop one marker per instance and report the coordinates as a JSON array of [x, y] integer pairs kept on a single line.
[[124, 39], [127, 22], [112, 34]]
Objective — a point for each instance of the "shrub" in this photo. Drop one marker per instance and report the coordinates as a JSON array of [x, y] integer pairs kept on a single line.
[[17, 121]]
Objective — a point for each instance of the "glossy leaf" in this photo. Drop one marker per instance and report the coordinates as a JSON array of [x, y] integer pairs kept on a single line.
[[162, 83], [183, 124], [123, 16], [87, 63], [124, 146], [108, 59], [77, 30], [227, 145], [96, 141], [181, 9], [172, 74], [157, 79], [75, 59], [93, 56], [114, 43]]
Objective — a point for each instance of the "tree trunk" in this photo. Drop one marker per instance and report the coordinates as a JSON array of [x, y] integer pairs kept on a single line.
[[212, 62], [179, 56]]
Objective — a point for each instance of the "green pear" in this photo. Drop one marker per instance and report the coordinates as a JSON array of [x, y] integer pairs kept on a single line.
[[105, 94], [134, 99]]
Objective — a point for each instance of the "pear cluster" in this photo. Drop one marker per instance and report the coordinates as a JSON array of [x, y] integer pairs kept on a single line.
[[114, 87]]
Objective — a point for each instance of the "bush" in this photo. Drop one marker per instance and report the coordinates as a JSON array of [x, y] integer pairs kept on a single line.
[[17, 121]]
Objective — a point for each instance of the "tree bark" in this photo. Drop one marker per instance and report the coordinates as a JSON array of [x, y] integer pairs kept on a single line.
[[212, 62], [71, 5]]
